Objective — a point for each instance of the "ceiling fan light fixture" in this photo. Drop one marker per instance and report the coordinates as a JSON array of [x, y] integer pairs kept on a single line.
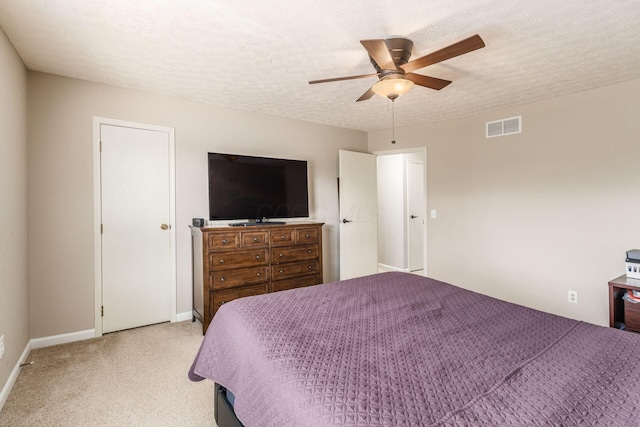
[[392, 87]]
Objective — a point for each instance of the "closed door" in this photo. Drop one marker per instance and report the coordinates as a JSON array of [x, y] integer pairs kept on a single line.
[[136, 242], [415, 204], [358, 214]]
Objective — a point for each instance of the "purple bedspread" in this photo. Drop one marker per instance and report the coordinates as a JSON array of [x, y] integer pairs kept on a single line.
[[395, 349]]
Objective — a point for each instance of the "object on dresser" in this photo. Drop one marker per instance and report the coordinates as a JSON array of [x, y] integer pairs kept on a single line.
[[632, 264], [198, 222]]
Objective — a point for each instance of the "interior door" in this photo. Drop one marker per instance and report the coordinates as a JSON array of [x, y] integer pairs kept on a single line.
[[358, 214], [136, 242], [415, 203]]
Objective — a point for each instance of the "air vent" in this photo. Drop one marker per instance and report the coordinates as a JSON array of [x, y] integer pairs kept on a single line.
[[504, 127]]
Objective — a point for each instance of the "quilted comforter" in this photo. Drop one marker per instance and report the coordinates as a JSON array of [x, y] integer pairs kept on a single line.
[[395, 349]]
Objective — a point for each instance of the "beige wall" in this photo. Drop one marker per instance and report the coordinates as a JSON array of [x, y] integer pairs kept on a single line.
[[524, 217], [61, 189], [14, 290], [528, 217]]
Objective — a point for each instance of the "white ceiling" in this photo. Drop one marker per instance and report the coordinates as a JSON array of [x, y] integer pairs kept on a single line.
[[258, 55]]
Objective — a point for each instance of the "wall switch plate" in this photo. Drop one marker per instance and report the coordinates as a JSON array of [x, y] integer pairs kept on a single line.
[[434, 214], [1, 346], [573, 297]]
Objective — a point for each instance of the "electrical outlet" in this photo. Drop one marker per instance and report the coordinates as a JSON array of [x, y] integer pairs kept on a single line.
[[573, 297], [1, 346]]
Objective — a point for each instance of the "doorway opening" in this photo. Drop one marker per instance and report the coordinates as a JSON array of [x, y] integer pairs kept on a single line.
[[402, 199]]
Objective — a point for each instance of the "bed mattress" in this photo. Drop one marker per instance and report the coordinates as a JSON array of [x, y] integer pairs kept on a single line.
[[395, 349]]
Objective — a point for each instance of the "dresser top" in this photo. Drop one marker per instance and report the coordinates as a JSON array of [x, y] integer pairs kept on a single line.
[[625, 282], [257, 227]]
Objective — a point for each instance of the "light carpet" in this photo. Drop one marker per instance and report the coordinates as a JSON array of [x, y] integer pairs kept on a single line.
[[130, 378]]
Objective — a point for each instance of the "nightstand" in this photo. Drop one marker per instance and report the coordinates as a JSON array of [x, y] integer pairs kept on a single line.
[[621, 312]]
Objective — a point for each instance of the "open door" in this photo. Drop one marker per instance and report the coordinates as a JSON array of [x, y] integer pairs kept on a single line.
[[358, 198]]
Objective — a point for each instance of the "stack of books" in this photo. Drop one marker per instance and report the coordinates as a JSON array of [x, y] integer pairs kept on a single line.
[[632, 296]]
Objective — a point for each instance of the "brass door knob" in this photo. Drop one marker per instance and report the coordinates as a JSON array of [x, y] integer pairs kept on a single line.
[[164, 226]]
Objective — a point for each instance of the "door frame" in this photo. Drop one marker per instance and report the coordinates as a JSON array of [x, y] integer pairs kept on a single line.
[[422, 150], [97, 212], [408, 212]]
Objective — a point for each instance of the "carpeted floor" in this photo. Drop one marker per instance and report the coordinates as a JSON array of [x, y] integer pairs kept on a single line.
[[130, 378]]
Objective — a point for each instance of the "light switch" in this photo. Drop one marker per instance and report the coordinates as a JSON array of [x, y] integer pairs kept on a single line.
[[433, 213]]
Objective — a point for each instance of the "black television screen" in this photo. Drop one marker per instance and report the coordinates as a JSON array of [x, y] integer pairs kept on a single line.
[[255, 188]]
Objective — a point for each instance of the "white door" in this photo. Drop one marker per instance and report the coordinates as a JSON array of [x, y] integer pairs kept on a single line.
[[358, 214], [136, 242], [415, 204]]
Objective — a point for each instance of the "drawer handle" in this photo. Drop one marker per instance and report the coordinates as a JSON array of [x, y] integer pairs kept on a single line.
[[222, 302], [309, 251], [225, 241], [307, 235], [256, 240], [281, 271], [222, 279], [257, 256], [258, 274], [281, 255], [222, 260], [309, 267], [282, 237]]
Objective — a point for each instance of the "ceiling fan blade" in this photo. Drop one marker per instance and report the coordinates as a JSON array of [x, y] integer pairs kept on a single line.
[[336, 79], [379, 51], [368, 94], [426, 81], [465, 46]]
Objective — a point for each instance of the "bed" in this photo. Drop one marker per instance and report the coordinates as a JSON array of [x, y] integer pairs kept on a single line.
[[396, 349]]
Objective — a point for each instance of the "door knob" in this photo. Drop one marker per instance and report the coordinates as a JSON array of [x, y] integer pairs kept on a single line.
[[164, 226], [414, 216], [344, 221]]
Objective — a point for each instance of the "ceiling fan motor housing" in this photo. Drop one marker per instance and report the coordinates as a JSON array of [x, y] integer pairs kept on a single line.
[[400, 49]]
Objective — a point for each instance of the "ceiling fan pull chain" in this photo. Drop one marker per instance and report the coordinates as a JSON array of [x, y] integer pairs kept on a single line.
[[393, 121]]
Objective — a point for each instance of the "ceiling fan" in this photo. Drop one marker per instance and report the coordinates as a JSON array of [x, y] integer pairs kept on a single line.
[[390, 58]]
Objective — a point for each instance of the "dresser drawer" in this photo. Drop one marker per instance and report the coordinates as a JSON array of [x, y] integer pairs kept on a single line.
[[255, 239], [632, 316], [217, 298], [238, 259], [282, 237], [298, 282], [307, 235], [224, 279], [293, 253], [284, 271], [224, 240]]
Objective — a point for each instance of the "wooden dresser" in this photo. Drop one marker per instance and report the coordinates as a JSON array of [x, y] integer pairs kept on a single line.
[[235, 262]]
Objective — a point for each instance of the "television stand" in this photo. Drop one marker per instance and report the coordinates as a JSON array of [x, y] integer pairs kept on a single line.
[[251, 223]]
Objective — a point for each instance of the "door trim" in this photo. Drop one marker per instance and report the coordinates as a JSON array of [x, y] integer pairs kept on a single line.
[[97, 210], [408, 211]]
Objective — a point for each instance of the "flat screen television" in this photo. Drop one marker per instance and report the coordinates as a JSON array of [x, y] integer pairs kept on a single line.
[[256, 188]]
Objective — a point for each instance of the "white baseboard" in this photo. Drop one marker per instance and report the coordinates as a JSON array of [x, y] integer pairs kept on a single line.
[[63, 338], [181, 317], [385, 267], [4, 394]]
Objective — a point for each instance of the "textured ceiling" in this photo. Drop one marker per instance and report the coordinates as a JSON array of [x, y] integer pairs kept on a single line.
[[258, 55]]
